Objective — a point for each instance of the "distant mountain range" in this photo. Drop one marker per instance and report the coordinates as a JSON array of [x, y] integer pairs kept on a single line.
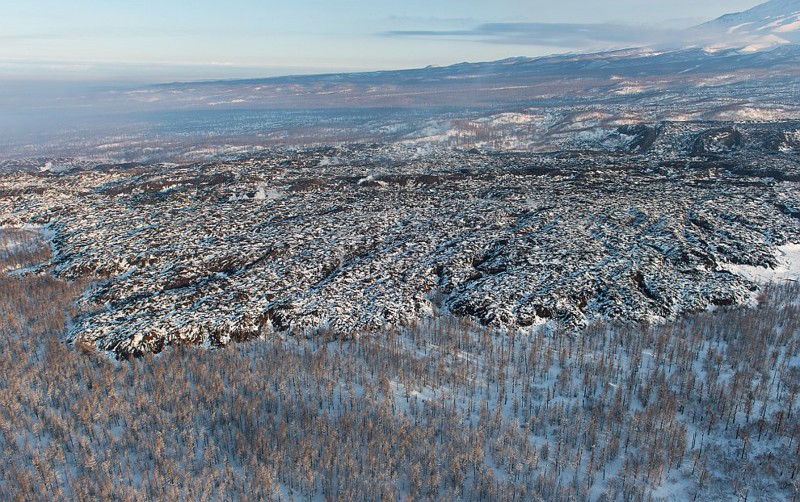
[[723, 45], [739, 67]]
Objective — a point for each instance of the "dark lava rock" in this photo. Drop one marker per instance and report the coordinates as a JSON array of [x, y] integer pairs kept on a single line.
[[725, 139], [782, 142], [643, 136]]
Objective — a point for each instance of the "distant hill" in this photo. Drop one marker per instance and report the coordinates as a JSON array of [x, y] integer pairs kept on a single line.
[[769, 24]]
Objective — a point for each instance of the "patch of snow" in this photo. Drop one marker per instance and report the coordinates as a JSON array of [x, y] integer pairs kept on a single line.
[[765, 43], [752, 113], [329, 161], [512, 118], [734, 28], [266, 195], [629, 89], [788, 270], [789, 27]]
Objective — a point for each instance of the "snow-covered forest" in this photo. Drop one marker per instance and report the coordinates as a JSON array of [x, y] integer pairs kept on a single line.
[[701, 408]]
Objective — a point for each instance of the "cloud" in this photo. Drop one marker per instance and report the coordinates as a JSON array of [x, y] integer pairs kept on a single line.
[[433, 20], [553, 34]]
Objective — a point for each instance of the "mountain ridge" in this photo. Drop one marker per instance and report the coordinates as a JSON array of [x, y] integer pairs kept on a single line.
[[766, 25]]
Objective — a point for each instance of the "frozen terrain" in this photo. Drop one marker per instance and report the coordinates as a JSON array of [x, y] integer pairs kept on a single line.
[[787, 269], [656, 220], [702, 408], [571, 277]]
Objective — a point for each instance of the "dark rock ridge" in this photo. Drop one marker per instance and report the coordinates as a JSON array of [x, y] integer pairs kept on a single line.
[[725, 139], [642, 136]]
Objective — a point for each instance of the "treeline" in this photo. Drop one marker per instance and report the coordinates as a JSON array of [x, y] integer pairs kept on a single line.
[[703, 408]]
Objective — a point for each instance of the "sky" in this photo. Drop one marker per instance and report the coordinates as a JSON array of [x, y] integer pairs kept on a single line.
[[164, 40]]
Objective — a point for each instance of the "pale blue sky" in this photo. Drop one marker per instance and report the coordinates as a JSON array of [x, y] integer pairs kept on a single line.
[[188, 39]]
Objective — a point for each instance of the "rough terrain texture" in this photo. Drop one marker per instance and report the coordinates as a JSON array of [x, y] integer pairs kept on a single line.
[[332, 241]]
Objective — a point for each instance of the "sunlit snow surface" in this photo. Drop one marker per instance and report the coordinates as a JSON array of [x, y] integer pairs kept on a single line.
[[787, 270]]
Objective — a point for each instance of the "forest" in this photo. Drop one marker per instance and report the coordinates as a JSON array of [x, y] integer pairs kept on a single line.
[[699, 408]]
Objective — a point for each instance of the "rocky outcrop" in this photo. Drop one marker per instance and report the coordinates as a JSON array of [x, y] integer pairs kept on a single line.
[[641, 136], [714, 141]]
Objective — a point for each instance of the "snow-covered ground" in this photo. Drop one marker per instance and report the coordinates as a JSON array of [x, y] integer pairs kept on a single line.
[[788, 268], [222, 251]]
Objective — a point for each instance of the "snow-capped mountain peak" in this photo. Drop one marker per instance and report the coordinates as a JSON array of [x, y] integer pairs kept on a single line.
[[766, 25]]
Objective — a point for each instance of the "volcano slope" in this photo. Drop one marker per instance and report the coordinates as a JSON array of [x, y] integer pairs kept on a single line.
[[333, 241]]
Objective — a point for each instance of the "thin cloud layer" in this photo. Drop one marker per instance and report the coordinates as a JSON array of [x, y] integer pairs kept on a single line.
[[553, 34], [585, 36]]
